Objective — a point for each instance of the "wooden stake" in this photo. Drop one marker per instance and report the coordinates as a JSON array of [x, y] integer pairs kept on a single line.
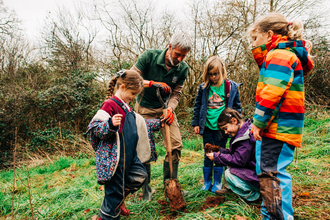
[[14, 164]]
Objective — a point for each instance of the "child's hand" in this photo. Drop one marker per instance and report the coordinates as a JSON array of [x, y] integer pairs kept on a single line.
[[196, 129], [210, 156], [162, 121], [116, 119], [256, 132]]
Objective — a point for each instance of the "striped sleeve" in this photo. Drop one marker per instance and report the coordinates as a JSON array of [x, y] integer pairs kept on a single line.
[[275, 79]]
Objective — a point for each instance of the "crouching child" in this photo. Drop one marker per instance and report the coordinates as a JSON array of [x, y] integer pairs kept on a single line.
[[240, 176]]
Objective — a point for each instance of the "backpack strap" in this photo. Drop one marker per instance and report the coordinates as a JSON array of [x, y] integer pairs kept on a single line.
[[227, 91], [120, 104]]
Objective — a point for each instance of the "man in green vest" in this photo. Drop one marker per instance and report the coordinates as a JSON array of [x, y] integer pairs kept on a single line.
[[167, 70]]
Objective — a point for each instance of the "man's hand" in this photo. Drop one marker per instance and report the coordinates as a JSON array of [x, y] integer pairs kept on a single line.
[[170, 117], [256, 132], [166, 89], [116, 119], [196, 129]]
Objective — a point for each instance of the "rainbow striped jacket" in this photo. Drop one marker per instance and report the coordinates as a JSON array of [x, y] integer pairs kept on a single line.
[[280, 92]]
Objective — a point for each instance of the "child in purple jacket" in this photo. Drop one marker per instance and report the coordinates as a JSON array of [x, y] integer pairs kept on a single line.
[[240, 157]]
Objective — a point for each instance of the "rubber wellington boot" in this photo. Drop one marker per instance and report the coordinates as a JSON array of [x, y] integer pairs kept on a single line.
[[166, 171], [146, 189], [207, 172], [175, 170], [217, 179]]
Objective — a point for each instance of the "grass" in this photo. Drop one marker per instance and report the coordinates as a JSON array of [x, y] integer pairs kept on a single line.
[[67, 188]]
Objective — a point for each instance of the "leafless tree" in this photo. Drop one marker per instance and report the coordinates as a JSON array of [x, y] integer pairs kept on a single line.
[[68, 38], [132, 27], [9, 22], [219, 29]]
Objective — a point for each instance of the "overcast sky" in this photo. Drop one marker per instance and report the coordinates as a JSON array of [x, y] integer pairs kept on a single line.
[[33, 12]]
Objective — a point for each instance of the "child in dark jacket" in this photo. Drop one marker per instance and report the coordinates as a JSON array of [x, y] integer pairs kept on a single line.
[[214, 95], [115, 133], [240, 157]]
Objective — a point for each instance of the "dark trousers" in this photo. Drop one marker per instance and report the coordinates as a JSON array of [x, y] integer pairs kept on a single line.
[[215, 137], [129, 176], [114, 195]]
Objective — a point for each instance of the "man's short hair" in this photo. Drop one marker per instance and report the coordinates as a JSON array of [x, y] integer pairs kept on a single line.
[[181, 39]]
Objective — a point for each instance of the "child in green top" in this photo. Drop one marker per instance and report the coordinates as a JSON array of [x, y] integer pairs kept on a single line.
[[214, 95]]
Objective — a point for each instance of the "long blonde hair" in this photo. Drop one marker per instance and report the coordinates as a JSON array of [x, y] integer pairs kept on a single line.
[[279, 25], [214, 62], [130, 78]]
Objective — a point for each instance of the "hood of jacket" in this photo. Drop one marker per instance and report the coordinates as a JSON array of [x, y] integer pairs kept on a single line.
[[243, 133], [279, 42]]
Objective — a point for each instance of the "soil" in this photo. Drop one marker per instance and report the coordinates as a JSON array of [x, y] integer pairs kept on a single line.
[[209, 148], [212, 202], [173, 191], [162, 202], [316, 197], [172, 215]]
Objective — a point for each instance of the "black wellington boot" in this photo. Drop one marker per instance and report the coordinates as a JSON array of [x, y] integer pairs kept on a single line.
[[146, 189]]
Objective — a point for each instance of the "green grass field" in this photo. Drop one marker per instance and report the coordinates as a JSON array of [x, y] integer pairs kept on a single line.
[[67, 188]]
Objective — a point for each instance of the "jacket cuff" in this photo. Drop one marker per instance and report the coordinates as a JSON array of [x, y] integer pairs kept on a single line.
[[259, 124], [193, 124], [158, 124], [111, 126], [216, 158], [222, 149]]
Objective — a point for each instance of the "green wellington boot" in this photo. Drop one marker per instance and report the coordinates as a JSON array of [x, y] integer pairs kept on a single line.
[[146, 189]]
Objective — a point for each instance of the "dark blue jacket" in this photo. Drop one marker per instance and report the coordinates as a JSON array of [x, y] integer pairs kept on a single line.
[[200, 108]]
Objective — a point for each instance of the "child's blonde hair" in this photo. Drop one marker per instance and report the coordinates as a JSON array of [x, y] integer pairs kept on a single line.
[[279, 25], [214, 62], [130, 78]]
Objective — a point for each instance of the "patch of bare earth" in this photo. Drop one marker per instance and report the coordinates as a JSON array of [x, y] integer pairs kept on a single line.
[[172, 215], [212, 202], [311, 202]]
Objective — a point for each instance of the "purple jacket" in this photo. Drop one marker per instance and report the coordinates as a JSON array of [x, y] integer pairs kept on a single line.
[[240, 156]]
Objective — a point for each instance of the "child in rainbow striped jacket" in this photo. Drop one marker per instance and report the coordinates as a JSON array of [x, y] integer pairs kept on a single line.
[[284, 60]]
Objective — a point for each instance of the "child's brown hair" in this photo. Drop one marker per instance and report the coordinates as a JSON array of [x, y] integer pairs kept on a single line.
[[214, 62], [226, 115], [129, 78], [279, 25]]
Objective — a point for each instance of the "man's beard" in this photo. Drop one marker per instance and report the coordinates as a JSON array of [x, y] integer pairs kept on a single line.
[[171, 59]]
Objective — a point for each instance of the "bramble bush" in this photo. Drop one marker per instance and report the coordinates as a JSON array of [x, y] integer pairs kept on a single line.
[[44, 139], [65, 106]]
